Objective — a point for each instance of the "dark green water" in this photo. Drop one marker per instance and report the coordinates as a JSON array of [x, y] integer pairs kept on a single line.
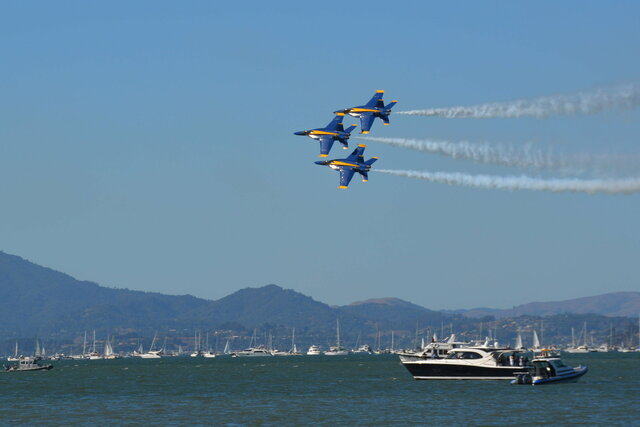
[[350, 390]]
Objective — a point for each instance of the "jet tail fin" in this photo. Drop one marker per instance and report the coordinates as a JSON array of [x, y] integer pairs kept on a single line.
[[365, 176], [391, 104], [350, 128], [336, 123]]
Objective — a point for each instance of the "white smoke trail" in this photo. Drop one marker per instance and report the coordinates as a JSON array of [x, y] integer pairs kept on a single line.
[[618, 186], [617, 98], [525, 157]]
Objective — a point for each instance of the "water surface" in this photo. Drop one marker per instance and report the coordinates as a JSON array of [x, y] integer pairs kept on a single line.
[[349, 390]]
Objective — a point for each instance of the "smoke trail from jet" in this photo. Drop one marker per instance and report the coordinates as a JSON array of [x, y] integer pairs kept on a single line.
[[623, 97], [617, 186], [525, 157]]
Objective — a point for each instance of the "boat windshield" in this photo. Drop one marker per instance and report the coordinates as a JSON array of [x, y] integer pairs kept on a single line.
[[464, 355], [543, 369]]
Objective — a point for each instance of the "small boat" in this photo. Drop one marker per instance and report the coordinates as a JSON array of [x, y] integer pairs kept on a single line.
[[337, 350], [197, 352], [363, 349], [314, 350], [27, 364], [208, 354], [152, 354], [259, 351], [547, 367], [15, 357]]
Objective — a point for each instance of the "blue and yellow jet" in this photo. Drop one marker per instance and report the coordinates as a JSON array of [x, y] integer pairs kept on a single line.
[[328, 135], [352, 164], [372, 109]]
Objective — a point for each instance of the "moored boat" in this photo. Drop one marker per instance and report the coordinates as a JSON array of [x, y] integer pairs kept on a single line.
[[259, 351], [314, 350]]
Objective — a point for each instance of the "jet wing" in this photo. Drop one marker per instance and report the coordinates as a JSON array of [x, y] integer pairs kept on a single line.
[[345, 176], [373, 102], [326, 142], [357, 155], [366, 120]]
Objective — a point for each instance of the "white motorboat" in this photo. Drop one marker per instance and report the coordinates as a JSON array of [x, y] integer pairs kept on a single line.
[[547, 367], [336, 351], [363, 349], [259, 351], [314, 350]]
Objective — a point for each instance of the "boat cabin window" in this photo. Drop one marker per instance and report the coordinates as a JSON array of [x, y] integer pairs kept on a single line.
[[464, 355], [544, 369]]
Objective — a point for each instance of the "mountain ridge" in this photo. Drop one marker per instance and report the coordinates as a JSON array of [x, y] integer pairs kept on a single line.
[[36, 300]]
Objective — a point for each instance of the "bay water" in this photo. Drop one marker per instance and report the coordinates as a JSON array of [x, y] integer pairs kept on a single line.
[[302, 390]]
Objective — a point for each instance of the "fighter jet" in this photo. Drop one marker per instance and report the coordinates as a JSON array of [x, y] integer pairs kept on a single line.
[[352, 164], [372, 109], [328, 135]]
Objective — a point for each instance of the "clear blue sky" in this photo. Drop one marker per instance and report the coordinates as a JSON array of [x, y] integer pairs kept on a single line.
[[149, 145]]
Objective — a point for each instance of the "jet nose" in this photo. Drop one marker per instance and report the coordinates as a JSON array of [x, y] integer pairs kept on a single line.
[[320, 162], [301, 133]]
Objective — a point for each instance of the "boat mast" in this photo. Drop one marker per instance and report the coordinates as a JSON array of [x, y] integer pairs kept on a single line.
[[153, 342], [338, 332]]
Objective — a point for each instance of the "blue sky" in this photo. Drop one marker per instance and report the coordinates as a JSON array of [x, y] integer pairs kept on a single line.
[[149, 145]]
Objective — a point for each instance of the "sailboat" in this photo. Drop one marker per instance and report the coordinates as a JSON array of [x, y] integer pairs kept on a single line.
[[294, 350], [582, 348], [37, 352], [94, 355], [257, 351], [139, 351], [208, 354], [15, 356], [227, 348], [519, 345], [108, 350], [536, 341], [152, 354], [196, 341], [337, 350]]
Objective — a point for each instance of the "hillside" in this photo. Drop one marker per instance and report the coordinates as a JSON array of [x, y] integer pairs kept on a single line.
[[38, 301], [617, 304]]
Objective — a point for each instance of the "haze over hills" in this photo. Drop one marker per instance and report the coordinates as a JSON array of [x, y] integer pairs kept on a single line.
[[36, 300], [625, 304]]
